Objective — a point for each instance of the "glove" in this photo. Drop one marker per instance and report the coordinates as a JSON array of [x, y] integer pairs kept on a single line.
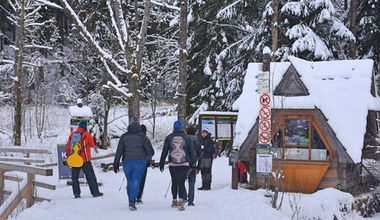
[[116, 168], [203, 147], [161, 168]]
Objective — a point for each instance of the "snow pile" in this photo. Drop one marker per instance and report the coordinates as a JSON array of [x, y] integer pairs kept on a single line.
[[83, 111], [340, 89]]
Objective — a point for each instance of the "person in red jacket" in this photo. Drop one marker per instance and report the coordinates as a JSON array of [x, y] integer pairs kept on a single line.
[[86, 142], [242, 172]]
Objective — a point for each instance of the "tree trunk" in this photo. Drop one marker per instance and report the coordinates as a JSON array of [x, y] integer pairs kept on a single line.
[[19, 73], [275, 4], [353, 28], [107, 106], [181, 91]]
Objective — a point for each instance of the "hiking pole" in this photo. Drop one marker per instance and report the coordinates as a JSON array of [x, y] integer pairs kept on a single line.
[[191, 169], [121, 184], [168, 189]]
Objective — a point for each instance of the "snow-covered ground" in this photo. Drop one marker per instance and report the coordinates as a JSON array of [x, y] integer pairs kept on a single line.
[[221, 203]]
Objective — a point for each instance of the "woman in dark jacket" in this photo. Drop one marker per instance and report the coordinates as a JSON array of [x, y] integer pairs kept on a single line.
[[135, 149], [181, 156], [208, 148]]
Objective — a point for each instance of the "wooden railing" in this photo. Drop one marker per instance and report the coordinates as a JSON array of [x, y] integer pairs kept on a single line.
[[27, 186]]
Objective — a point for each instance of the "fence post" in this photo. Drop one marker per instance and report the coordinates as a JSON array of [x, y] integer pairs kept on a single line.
[[1, 186], [30, 190]]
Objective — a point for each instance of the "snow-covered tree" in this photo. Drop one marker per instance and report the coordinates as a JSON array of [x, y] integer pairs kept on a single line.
[[34, 36], [123, 62], [368, 34], [222, 35], [312, 30]]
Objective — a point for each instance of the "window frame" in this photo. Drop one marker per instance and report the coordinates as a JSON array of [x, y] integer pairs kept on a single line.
[[279, 119]]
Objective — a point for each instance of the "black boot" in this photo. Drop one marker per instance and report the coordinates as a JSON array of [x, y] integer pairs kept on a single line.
[[207, 186], [204, 184], [132, 206]]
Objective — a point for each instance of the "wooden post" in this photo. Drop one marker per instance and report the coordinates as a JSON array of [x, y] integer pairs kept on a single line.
[[1, 186], [30, 190], [252, 173], [235, 179]]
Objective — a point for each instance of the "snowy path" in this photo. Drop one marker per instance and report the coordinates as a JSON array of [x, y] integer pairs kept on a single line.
[[221, 203]]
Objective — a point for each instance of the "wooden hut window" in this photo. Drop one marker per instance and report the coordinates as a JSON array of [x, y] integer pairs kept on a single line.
[[300, 141]]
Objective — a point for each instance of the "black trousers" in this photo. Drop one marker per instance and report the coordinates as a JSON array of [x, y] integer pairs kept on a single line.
[[88, 171], [142, 184], [178, 175]]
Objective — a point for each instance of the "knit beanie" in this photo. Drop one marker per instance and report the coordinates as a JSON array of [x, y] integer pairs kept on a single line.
[[178, 125], [83, 124], [191, 130], [143, 128], [134, 120]]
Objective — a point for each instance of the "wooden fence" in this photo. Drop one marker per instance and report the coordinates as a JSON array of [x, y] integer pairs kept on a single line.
[[27, 186]]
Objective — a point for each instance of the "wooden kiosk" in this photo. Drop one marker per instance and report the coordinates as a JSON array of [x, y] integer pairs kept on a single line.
[[319, 121]]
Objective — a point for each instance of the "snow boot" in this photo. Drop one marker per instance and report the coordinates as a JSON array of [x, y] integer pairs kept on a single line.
[[207, 186], [174, 203], [132, 206], [180, 205], [139, 202]]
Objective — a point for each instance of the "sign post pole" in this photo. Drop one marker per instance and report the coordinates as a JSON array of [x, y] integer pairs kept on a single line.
[[263, 155]]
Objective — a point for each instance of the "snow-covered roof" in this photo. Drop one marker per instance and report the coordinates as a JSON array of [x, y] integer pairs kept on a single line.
[[217, 113], [340, 89], [83, 111]]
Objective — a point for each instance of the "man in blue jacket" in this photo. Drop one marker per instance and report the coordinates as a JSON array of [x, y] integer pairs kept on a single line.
[[178, 146]]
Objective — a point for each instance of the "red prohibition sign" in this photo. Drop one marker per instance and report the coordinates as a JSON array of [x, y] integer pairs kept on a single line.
[[265, 99], [264, 137], [264, 125], [265, 112]]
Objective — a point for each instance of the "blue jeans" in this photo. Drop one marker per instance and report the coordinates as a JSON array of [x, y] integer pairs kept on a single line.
[[133, 170]]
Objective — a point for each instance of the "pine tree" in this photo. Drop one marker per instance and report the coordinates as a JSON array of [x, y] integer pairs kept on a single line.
[[222, 36], [311, 30], [368, 34]]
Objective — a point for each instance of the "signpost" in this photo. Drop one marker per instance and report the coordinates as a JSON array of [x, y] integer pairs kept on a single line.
[[64, 172], [263, 155]]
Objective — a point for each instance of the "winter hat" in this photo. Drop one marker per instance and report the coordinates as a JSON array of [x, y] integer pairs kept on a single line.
[[205, 130], [191, 130], [143, 128], [79, 103], [178, 125], [134, 120], [83, 124]]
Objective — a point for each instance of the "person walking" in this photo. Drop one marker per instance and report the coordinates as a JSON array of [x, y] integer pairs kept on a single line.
[[86, 143], [208, 148], [178, 146], [191, 131], [135, 150], [142, 183]]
